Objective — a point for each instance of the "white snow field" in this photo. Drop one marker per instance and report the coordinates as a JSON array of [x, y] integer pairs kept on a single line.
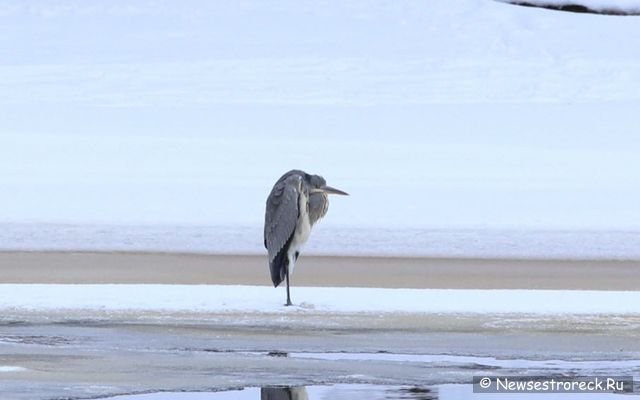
[[438, 114], [230, 298], [466, 128], [327, 240]]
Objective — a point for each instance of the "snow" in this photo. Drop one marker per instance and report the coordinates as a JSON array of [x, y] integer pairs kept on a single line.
[[466, 114], [227, 299], [445, 243]]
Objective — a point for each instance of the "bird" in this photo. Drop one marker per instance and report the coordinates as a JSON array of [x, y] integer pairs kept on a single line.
[[296, 202]]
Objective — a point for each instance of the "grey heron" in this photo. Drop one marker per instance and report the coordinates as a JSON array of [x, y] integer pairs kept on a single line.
[[296, 202]]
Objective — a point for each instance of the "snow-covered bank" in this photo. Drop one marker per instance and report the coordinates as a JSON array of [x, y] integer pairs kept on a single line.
[[327, 240], [223, 299], [431, 114]]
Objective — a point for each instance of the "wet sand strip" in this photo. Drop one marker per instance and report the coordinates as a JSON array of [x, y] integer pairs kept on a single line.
[[385, 272]]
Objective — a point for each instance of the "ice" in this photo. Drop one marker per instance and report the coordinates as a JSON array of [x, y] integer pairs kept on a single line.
[[585, 368], [237, 298], [11, 368], [329, 240], [366, 392]]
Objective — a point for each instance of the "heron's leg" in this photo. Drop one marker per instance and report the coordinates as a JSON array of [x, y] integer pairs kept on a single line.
[[288, 296]]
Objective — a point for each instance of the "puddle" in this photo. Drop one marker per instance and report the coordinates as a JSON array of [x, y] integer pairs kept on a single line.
[[490, 362], [45, 359], [337, 392], [359, 392]]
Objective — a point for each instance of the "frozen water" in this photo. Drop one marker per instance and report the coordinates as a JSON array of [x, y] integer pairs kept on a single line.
[[71, 356], [584, 367], [253, 300], [329, 240], [11, 368], [360, 392], [446, 114]]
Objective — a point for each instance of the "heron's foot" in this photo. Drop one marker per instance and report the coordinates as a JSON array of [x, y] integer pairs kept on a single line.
[[288, 303]]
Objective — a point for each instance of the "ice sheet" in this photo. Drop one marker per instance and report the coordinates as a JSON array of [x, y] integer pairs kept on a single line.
[[329, 240], [229, 298]]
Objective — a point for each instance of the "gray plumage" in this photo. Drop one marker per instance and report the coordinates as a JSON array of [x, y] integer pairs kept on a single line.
[[318, 206], [296, 202], [282, 213]]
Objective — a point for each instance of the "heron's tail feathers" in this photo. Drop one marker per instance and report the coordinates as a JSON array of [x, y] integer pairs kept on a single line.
[[278, 267]]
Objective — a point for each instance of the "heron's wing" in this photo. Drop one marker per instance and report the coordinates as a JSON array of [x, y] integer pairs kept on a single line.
[[281, 216]]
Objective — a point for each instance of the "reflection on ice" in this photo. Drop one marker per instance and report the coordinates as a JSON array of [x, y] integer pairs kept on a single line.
[[361, 392], [323, 392], [283, 393], [479, 362]]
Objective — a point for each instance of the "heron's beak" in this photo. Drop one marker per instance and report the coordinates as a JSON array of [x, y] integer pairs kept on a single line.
[[330, 190]]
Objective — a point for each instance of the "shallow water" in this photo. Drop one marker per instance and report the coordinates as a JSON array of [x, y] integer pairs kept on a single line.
[[356, 392], [490, 362], [192, 360]]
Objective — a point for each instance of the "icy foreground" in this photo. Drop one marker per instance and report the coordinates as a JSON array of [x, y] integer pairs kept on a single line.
[[263, 299]]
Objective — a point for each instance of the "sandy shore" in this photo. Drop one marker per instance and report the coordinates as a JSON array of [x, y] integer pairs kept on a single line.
[[122, 267], [85, 353]]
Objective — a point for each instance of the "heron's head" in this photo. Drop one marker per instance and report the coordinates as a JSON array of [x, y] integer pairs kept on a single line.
[[317, 184]]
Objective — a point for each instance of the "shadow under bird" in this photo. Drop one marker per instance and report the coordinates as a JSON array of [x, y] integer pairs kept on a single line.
[[296, 202]]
